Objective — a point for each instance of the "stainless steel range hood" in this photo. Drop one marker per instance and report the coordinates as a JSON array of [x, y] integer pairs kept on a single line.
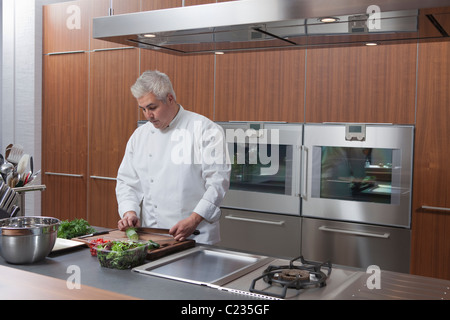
[[268, 24]]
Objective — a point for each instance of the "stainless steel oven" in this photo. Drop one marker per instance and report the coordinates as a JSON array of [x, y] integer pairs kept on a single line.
[[265, 174], [356, 194], [360, 173]]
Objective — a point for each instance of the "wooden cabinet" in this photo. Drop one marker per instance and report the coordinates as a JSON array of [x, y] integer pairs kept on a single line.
[[66, 26], [361, 84], [64, 135], [192, 78], [260, 86], [430, 254], [113, 115]]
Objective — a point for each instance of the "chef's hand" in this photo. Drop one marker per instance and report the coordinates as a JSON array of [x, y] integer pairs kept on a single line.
[[185, 227], [130, 219]]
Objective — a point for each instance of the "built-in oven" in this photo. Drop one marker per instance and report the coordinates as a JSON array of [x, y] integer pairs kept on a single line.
[[261, 210], [356, 194], [265, 169]]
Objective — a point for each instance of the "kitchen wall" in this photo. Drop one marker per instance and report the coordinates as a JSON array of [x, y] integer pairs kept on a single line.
[[21, 82]]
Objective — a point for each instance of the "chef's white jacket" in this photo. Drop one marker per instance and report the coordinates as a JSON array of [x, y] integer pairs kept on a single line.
[[175, 171]]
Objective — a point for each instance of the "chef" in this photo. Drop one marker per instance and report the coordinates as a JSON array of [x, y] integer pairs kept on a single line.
[[175, 171]]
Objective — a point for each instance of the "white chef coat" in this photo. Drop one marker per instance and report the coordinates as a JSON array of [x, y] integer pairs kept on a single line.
[[175, 171]]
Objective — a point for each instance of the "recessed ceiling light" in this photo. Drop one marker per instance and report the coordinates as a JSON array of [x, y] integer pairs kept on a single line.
[[370, 44], [149, 35], [328, 19], [219, 52]]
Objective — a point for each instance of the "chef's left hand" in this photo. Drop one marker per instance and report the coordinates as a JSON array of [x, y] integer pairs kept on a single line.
[[185, 227]]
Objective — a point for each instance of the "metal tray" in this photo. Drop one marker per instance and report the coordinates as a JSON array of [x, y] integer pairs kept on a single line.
[[204, 266]]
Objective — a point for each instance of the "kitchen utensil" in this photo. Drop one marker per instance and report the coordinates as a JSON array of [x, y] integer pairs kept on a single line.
[[14, 211], [27, 239], [93, 234], [5, 196], [23, 164], [15, 154], [5, 169], [11, 201], [159, 230], [30, 179]]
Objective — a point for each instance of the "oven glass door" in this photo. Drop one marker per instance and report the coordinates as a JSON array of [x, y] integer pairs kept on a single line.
[[265, 167], [367, 180], [356, 174], [274, 177]]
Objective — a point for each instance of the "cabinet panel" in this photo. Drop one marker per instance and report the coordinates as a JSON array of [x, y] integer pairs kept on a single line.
[[192, 78], [361, 84], [147, 5], [66, 26], [64, 113], [64, 135], [431, 228], [103, 208], [113, 115], [260, 86], [269, 234]]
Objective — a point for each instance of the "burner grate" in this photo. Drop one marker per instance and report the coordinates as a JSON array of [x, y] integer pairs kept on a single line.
[[307, 274]]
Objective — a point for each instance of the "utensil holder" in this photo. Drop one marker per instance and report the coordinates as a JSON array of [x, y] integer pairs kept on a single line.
[[24, 190]]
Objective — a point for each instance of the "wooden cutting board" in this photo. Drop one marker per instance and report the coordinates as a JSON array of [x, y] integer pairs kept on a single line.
[[167, 244]]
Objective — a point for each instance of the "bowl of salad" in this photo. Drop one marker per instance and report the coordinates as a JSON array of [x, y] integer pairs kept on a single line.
[[122, 254]]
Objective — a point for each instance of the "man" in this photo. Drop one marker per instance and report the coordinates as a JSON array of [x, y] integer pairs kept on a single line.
[[175, 167]]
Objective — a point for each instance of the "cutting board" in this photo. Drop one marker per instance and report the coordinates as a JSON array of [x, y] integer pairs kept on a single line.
[[167, 244]]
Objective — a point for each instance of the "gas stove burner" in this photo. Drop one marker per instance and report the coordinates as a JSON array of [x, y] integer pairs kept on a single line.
[[292, 274], [305, 275]]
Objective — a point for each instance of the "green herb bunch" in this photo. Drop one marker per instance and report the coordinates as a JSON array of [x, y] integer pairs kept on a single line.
[[72, 229]]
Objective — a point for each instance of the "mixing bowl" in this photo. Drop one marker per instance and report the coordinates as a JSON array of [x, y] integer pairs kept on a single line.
[[27, 239]]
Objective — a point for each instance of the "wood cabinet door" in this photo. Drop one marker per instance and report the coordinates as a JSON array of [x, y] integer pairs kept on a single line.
[[192, 78], [65, 135], [361, 84], [66, 26], [430, 254], [260, 86], [113, 115]]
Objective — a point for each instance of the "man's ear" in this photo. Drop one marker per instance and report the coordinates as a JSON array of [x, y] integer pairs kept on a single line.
[[170, 98]]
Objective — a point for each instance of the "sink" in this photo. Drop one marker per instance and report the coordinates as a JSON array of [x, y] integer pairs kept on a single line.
[[204, 265]]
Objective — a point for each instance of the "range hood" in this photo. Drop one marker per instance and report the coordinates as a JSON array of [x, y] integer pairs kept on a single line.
[[273, 24]]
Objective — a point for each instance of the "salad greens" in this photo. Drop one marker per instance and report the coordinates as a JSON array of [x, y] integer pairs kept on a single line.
[[121, 254], [71, 229]]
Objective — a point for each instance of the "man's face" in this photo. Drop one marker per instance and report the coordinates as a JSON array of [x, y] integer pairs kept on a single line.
[[160, 114]]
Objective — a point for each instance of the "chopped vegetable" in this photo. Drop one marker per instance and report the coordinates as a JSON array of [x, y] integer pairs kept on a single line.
[[71, 229], [93, 244], [132, 234], [153, 245]]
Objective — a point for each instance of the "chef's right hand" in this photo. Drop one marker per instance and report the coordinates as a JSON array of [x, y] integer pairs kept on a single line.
[[130, 219]]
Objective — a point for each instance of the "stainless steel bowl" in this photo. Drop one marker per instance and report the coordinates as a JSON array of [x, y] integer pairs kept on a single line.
[[27, 239]]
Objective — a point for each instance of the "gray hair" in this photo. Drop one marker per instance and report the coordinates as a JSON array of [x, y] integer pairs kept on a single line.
[[154, 82]]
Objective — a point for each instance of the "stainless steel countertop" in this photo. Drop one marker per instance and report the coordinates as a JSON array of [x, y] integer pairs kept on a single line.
[[346, 283]]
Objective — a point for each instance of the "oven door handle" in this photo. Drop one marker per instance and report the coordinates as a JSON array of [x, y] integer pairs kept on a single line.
[[304, 171], [277, 223], [384, 235]]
